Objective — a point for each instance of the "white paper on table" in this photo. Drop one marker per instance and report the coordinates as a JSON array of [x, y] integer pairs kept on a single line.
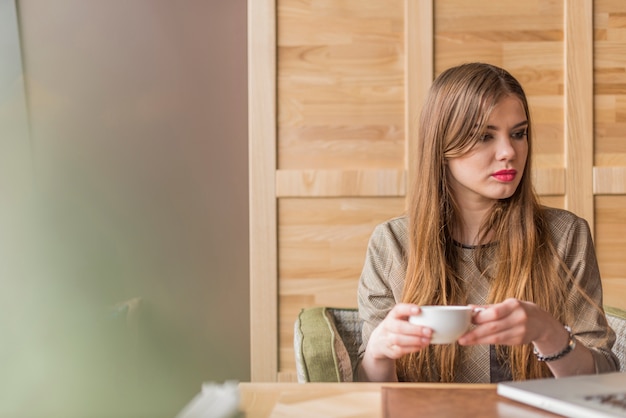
[[214, 401]]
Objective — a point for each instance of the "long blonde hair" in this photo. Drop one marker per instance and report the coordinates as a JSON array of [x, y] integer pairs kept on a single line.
[[454, 115]]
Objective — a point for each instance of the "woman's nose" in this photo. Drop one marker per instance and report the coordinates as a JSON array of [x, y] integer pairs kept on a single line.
[[505, 149]]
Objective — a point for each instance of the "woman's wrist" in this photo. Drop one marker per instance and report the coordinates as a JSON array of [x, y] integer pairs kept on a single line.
[[378, 369], [547, 353]]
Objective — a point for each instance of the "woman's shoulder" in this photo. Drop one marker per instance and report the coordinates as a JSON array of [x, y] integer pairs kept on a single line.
[[394, 230], [397, 226], [562, 215], [561, 221]]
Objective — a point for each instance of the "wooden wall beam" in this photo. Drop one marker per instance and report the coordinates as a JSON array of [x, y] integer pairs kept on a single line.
[[262, 172], [579, 133], [419, 67]]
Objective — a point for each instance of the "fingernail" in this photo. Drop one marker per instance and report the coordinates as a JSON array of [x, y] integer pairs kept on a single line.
[[477, 310]]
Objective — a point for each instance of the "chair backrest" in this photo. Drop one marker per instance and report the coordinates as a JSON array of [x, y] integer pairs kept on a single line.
[[617, 321], [326, 343]]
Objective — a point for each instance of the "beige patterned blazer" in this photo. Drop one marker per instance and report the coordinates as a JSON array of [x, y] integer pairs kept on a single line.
[[382, 280]]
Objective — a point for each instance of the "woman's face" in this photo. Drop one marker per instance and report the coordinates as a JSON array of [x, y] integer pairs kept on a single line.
[[493, 168]]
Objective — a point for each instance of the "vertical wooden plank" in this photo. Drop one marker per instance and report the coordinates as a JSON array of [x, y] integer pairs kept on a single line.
[[419, 47], [262, 172], [579, 133]]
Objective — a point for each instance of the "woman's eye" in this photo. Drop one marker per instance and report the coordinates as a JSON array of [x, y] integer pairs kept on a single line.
[[519, 135], [486, 137]]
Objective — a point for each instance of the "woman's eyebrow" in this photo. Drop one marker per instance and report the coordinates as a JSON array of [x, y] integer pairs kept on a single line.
[[517, 125]]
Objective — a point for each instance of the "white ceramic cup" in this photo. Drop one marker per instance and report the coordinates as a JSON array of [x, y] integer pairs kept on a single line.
[[447, 322]]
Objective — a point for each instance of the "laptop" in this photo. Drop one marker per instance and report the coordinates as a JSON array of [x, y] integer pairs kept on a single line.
[[588, 396]]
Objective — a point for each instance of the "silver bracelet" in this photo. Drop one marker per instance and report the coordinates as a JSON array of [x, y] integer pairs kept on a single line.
[[571, 344]]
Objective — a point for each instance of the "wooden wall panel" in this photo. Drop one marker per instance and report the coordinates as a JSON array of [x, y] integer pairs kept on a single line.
[[553, 201], [340, 147], [610, 82], [340, 84], [610, 244], [609, 180], [374, 182], [321, 253]]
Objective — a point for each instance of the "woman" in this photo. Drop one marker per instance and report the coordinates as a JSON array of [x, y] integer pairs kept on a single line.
[[476, 234]]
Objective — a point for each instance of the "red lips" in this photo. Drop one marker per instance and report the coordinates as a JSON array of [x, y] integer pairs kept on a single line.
[[505, 175]]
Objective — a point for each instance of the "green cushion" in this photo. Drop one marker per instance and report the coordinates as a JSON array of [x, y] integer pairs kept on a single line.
[[326, 342], [620, 313], [317, 346]]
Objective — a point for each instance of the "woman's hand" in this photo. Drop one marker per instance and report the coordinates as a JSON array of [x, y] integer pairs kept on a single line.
[[395, 336], [515, 322]]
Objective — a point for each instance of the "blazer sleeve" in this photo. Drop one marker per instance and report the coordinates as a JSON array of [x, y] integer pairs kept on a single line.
[[586, 315], [382, 277]]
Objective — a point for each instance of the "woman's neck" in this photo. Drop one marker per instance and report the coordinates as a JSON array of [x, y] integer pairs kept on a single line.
[[467, 232]]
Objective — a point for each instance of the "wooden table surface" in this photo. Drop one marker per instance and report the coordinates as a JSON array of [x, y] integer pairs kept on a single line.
[[303, 400]]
